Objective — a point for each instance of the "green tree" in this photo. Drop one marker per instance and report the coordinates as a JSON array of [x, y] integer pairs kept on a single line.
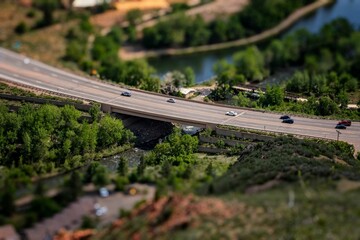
[[189, 76], [112, 133], [7, 198], [47, 7], [74, 185], [327, 107], [101, 176], [123, 166], [274, 96], [21, 28], [141, 167], [166, 169], [251, 64], [134, 16], [210, 171], [120, 183]]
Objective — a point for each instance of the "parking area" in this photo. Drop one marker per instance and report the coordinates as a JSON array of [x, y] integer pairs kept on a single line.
[[70, 218]]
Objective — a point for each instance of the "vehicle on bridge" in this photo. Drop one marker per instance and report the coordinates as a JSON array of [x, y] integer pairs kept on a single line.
[[126, 94], [231, 113], [345, 122], [171, 100], [288, 120], [284, 117], [340, 126]]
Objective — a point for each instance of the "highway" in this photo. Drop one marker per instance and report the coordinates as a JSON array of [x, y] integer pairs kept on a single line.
[[22, 70]]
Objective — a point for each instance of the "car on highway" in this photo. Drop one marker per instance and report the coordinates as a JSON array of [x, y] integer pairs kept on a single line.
[[126, 94], [231, 113], [284, 117], [288, 120], [340, 126], [171, 100], [345, 122]]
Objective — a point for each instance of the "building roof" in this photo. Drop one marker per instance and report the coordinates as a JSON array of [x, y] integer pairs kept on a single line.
[[89, 3]]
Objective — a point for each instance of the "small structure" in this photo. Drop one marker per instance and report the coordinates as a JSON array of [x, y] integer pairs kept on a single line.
[[127, 5], [7, 232], [89, 3]]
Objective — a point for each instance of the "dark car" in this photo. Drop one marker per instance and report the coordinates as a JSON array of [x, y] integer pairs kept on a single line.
[[126, 94], [345, 122], [288, 120], [340, 126], [284, 117], [171, 100]]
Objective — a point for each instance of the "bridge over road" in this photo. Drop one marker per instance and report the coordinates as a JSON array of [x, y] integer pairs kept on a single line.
[[22, 70]]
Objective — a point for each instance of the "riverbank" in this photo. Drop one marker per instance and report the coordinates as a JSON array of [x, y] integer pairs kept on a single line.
[[131, 52]]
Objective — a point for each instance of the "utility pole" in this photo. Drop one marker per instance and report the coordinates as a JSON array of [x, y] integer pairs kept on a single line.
[[338, 133]]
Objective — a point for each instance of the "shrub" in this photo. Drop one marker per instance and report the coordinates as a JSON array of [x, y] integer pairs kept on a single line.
[[21, 28]]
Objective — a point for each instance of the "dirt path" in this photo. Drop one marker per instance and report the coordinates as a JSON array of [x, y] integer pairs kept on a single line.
[[128, 53]]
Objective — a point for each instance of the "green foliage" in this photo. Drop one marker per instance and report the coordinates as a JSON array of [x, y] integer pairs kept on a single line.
[[189, 76], [47, 7], [283, 158], [7, 198], [44, 207], [38, 140], [100, 176], [184, 31], [251, 64], [330, 61], [88, 222], [72, 189], [178, 30], [21, 28], [274, 96], [123, 167], [134, 16], [176, 149], [111, 132], [120, 183]]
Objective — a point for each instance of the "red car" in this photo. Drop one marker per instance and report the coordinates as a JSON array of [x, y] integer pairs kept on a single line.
[[345, 122]]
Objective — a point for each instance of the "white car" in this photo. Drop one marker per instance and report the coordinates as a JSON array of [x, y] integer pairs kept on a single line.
[[101, 211], [231, 113], [103, 192]]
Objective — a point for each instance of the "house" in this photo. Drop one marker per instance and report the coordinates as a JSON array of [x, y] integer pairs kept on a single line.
[[89, 3]]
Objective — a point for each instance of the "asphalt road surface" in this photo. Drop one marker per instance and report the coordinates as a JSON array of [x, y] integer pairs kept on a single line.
[[20, 69]]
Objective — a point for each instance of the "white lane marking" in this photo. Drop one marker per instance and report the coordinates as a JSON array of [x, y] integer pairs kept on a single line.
[[75, 81], [54, 75], [36, 69], [96, 86], [38, 81], [15, 75]]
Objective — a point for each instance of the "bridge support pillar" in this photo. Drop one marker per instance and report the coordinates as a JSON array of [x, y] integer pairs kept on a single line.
[[106, 108]]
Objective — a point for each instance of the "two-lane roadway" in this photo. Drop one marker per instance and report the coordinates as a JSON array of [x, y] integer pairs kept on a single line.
[[22, 70]]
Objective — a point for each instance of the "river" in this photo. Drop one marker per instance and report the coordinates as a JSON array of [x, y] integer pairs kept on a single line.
[[202, 63]]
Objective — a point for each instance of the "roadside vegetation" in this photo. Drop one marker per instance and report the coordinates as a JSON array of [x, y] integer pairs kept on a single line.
[[327, 76], [285, 188], [47, 139]]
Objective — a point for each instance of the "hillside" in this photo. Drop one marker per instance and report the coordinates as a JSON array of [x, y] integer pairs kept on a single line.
[[287, 189]]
